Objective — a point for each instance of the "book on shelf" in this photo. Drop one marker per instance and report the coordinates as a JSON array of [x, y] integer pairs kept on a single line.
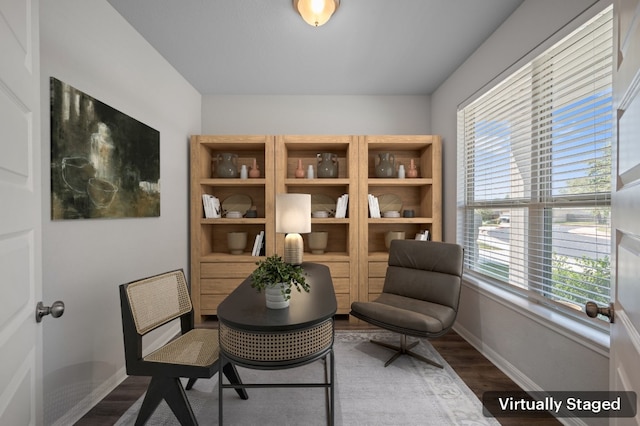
[[262, 250], [208, 212], [341, 206], [423, 235], [257, 244], [211, 206], [374, 207]]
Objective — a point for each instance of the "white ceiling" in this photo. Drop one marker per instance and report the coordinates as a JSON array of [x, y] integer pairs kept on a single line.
[[263, 47]]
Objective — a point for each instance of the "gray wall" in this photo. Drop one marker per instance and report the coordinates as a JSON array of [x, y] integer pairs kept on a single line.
[[319, 115], [535, 346], [88, 45]]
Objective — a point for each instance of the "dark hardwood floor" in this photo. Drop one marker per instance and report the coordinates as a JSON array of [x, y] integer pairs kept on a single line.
[[476, 371]]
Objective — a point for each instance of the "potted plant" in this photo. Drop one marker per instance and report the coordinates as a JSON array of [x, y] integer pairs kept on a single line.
[[277, 277]]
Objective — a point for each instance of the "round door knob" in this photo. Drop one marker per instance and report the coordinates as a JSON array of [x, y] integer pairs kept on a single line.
[[593, 310], [56, 310]]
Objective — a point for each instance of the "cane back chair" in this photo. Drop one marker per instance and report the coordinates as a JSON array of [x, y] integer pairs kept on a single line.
[[148, 304]]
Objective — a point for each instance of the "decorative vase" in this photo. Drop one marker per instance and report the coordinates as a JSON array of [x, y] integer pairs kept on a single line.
[[236, 242], [386, 166], [299, 170], [401, 171], [413, 170], [393, 235], [227, 166], [274, 297], [255, 170], [327, 165], [318, 242], [244, 172]]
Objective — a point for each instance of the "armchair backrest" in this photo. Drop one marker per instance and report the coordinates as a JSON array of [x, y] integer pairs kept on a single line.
[[425, 270]]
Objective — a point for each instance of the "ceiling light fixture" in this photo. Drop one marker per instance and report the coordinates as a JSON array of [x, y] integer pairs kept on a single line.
[[316, 12]]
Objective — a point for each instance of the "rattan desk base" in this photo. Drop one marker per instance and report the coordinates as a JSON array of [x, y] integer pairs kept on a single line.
[[275, 348]]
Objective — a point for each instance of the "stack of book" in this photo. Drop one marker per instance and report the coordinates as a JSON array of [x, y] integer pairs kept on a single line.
[[341, 206], [258, 245], [423, 235], [211, 205], [374, 207]]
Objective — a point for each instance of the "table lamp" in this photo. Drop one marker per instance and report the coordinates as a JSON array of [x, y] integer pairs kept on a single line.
[[293, 217]]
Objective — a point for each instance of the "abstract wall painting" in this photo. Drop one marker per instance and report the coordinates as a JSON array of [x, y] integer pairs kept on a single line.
[[104, 164]]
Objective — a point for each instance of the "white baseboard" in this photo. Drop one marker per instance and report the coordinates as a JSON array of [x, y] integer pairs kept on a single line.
[[92, 399], [103, 389]]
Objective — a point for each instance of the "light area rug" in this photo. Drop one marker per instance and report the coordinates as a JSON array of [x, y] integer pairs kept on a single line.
[[408, 392]]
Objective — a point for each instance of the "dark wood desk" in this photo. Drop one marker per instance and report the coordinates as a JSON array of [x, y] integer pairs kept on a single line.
[[253, 336]]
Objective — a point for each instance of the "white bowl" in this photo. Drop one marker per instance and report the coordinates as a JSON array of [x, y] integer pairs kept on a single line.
[[391, 214]]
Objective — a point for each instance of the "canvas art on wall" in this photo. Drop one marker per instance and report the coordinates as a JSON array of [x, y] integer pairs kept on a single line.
[[104, 164]]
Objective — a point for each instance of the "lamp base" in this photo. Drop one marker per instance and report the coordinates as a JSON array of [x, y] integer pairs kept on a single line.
[[293, 249]]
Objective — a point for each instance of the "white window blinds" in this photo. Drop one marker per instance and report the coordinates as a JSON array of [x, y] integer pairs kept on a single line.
[[534, 173]]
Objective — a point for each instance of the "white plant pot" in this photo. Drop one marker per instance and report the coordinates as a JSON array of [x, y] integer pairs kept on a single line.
[[274, 297]]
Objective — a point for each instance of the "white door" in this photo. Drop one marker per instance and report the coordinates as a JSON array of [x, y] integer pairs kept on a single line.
[[625, 204], [20, 214]]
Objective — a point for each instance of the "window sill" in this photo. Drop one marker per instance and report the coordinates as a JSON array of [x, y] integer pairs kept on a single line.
[[588, 333]]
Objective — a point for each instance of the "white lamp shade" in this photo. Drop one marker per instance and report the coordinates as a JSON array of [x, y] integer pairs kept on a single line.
[[316, 12], [293, 213]]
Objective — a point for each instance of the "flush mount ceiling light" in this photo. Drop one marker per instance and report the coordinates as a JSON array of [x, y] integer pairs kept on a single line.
[[316, 12]]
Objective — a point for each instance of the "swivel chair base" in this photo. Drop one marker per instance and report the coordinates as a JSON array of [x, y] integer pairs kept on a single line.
[[403, 349]]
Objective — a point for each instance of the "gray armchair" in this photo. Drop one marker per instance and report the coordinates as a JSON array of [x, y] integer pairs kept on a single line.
[[420, 294]]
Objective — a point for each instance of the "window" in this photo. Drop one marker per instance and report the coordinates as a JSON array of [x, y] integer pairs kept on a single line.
[[534, 173]]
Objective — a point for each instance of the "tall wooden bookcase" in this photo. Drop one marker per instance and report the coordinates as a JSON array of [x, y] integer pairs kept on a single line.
[[214, 271], [356, 253], [341, 255], [422, 194]]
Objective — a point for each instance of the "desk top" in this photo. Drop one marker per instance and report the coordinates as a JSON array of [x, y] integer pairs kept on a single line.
[[245, 308]]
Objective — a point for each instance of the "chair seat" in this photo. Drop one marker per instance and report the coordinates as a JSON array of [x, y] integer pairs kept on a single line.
[[411, 316], [198, 347]]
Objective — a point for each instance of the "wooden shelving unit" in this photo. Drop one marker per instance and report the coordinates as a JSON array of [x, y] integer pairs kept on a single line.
[[214, 271], [422, 194], [356, 254], [341, 255]]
